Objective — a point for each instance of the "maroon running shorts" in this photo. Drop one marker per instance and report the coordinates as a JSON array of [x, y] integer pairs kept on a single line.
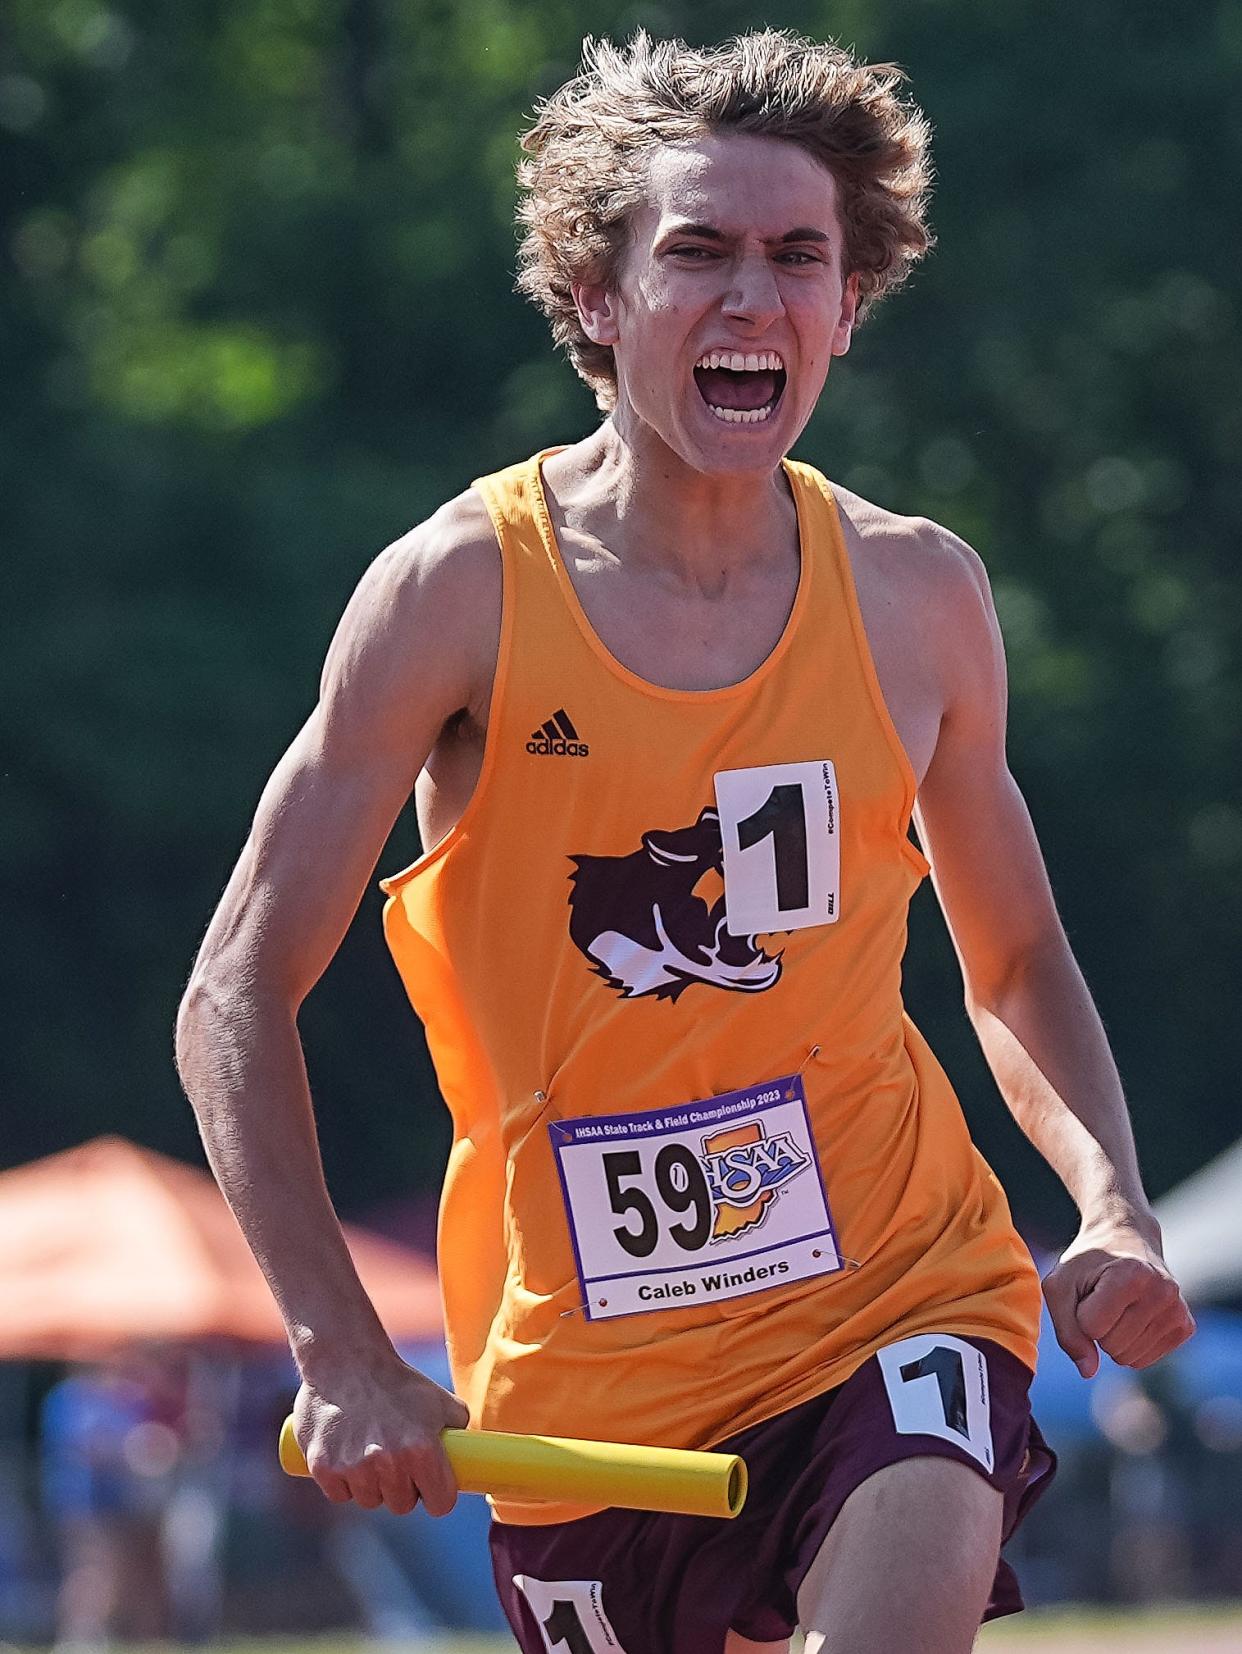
[[641, 1582]]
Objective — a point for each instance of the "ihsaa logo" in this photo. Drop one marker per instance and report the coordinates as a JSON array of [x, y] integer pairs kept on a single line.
[[744, 1170]]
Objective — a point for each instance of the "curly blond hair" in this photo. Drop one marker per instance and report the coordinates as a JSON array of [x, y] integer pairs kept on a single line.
[[585, 175]]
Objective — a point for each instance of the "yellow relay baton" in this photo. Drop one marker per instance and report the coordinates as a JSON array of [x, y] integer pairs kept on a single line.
[[580, 1472]]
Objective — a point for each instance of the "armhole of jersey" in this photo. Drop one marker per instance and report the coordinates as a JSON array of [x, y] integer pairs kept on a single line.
[[909, 848], [914, 852], [491, 741]]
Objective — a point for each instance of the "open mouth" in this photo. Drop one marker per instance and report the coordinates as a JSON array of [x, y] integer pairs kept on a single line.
[[740, 389]]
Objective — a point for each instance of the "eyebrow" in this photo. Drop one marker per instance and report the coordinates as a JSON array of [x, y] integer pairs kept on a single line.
[[709, 232]]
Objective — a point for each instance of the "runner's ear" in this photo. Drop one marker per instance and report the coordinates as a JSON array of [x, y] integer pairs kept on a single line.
[[597, 311]]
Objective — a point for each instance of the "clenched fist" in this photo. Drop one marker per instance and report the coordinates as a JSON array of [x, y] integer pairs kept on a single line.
[[1112, 1289]]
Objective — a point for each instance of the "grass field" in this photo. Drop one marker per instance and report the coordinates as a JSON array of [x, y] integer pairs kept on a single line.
[[1186, 1631], [1183, 1631]]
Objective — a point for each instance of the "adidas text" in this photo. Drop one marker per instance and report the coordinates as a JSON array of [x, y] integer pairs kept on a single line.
[[559, 748]]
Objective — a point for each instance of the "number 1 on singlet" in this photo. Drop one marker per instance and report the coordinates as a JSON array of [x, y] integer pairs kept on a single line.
[[781, 831]]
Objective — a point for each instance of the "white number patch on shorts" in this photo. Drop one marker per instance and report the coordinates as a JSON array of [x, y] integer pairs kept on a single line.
[[571, 1615], [938, 1386], [780, 828]]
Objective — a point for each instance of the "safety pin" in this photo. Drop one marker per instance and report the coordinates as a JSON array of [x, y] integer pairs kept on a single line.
[[801, 1069], [545, 1107]]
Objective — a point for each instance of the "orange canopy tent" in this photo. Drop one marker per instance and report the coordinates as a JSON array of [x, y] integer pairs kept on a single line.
[[109, 1243]]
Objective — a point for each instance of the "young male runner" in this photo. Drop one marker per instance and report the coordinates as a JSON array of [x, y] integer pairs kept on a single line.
[[667, 701]]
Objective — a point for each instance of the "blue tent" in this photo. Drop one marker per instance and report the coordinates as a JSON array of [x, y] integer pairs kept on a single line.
[[1206, 1368]]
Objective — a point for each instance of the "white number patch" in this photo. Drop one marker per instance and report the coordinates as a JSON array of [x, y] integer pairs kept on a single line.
[[780, 826], [938, 1386], [571, 1615]]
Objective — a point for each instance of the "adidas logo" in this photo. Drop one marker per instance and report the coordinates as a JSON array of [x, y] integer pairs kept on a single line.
[[558, 738]]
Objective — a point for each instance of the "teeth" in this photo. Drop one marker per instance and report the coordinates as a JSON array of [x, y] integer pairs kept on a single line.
[[765, 361], [742, 416]]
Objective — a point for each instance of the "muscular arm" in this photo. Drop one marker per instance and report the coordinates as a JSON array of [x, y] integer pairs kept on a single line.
[[408, 653], [1026, 997]]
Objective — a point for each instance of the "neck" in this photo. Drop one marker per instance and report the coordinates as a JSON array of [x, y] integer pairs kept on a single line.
[[627, 489]]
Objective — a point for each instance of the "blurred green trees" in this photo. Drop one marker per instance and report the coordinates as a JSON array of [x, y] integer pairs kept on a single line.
[[258, 261]]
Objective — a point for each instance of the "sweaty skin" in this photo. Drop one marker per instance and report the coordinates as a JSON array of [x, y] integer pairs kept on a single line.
[[674, 525]]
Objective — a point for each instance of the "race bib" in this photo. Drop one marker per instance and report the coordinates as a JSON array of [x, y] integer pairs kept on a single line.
[[695, 1204], [780, 828]]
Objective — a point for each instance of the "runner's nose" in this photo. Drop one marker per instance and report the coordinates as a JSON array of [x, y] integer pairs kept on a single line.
[[754, 295]]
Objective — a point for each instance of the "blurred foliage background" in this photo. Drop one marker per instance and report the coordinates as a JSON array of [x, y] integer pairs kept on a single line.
[[258, 319]]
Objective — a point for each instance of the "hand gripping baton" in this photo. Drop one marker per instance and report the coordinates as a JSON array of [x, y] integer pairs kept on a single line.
[[580, 1472]]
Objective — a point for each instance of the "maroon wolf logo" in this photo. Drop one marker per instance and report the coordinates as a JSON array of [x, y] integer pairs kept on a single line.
[[639, 922]]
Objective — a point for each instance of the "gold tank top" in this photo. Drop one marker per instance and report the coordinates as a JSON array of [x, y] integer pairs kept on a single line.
[[703, 1164]]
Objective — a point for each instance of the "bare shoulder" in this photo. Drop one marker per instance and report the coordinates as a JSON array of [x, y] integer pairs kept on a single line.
[[456, 550], [924, 562], [424, 619], [436, 575], [928, 614]]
